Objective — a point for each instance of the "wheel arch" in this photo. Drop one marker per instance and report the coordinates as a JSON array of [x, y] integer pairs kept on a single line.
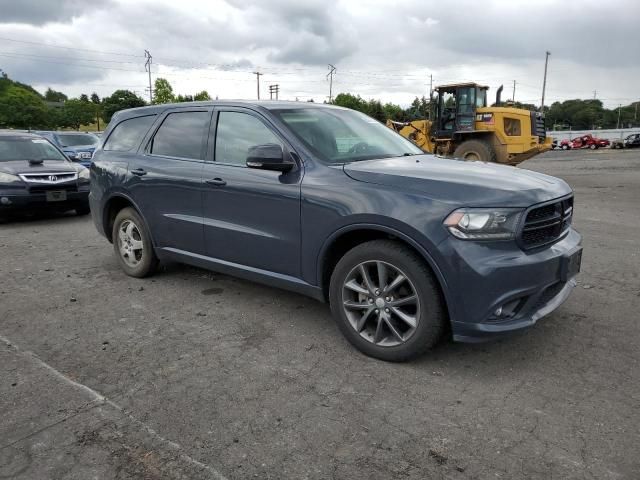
[[115, 204], [346, 238]]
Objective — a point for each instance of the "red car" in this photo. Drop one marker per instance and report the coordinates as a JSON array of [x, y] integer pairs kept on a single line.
[[589, 141]]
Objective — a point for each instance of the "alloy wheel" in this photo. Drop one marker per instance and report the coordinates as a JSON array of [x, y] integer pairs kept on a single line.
[[130, 243], [381, 303]]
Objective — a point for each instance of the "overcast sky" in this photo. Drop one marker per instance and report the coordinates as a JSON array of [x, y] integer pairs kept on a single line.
[[381, 49]]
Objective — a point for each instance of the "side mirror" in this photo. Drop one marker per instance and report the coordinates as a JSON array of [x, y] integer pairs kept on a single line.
[[268, 157]]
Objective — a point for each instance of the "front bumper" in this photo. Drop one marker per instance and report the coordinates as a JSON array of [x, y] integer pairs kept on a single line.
[[486, 277], [16, 202]]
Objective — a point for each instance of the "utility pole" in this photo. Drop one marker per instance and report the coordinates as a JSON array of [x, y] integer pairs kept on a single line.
[[274, 89], [513, 96], [257, 74], [595, 92], [544, 82], [332, 70], [619, 108], [147, 67], [430, 93]]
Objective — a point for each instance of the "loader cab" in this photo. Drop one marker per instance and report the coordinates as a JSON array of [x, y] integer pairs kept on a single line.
[[456, 108]]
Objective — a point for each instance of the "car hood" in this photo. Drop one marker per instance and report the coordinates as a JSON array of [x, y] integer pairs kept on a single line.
[[459, 181], [16, 167]]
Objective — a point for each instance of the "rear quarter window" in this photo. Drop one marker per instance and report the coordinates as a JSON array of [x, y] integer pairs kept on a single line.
[[128, 134]]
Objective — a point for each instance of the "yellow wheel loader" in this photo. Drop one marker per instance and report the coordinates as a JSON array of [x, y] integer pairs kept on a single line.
[[465, 127]]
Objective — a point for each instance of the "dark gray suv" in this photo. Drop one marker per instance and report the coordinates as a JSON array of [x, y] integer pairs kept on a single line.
[[325, 201]]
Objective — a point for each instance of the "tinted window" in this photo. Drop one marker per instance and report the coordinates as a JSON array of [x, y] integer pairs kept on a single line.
[[237, 133], [27, 148], [181, 135], [128, 134], [77, 140]]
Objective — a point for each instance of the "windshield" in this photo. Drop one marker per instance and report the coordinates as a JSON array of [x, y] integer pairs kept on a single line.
[[26, 148], [342, 136], [78, 140]]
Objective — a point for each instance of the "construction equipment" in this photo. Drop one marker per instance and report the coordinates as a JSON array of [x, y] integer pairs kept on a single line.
[[465, 127]]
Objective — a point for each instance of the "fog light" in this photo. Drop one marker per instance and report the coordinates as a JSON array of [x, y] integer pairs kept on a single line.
[[5, 201]]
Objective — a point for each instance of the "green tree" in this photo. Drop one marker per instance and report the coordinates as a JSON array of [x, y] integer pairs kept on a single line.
[[163, 91], [84, 98], [53, 96], [375, 110], [354, 102], [119, 100], [77, 112], [394, 112], [95, 98], [22, 108], [201, 96]]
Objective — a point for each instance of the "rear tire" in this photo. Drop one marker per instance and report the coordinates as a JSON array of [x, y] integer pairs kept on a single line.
[[565, 147], [411, 312], [132, 244], [478, 150]]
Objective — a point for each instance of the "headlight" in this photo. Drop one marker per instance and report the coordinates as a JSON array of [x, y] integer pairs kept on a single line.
[[84, 173], [8, 178], [71, 154], [484, 223]]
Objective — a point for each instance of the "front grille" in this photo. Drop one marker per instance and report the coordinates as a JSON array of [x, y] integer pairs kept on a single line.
[[537, 126], [49, 178], [545, 224]]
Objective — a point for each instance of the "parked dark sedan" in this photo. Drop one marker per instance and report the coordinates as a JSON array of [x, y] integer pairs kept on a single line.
[[330, 203], [78, 146], [35, 175]]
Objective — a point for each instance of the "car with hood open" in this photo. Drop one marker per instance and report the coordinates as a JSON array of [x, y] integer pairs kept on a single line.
[[35, 176], [406, 247]]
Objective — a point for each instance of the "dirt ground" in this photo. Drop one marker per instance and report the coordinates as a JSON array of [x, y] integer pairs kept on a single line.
[[192, 374]]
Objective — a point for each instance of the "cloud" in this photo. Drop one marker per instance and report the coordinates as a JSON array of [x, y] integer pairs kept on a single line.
[[381, 48], [38, 12]]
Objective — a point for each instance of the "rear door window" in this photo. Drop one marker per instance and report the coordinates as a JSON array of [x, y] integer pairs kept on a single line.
[[182, 135], [128, 134]]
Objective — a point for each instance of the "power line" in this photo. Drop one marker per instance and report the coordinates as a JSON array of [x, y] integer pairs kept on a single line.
[[18, 57], [21, 54], [52, 45]]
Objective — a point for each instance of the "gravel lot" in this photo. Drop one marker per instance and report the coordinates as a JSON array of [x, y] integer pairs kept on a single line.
[[195, 375]]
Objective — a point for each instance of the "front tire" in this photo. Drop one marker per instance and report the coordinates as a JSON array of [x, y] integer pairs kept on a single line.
[[475, 150], [386, 301], [132, 244]]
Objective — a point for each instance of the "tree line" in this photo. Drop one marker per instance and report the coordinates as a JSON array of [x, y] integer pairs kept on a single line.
[[21, 106]]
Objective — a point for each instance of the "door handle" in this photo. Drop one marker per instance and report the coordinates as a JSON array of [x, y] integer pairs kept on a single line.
[[218, 182], [139, 172]]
